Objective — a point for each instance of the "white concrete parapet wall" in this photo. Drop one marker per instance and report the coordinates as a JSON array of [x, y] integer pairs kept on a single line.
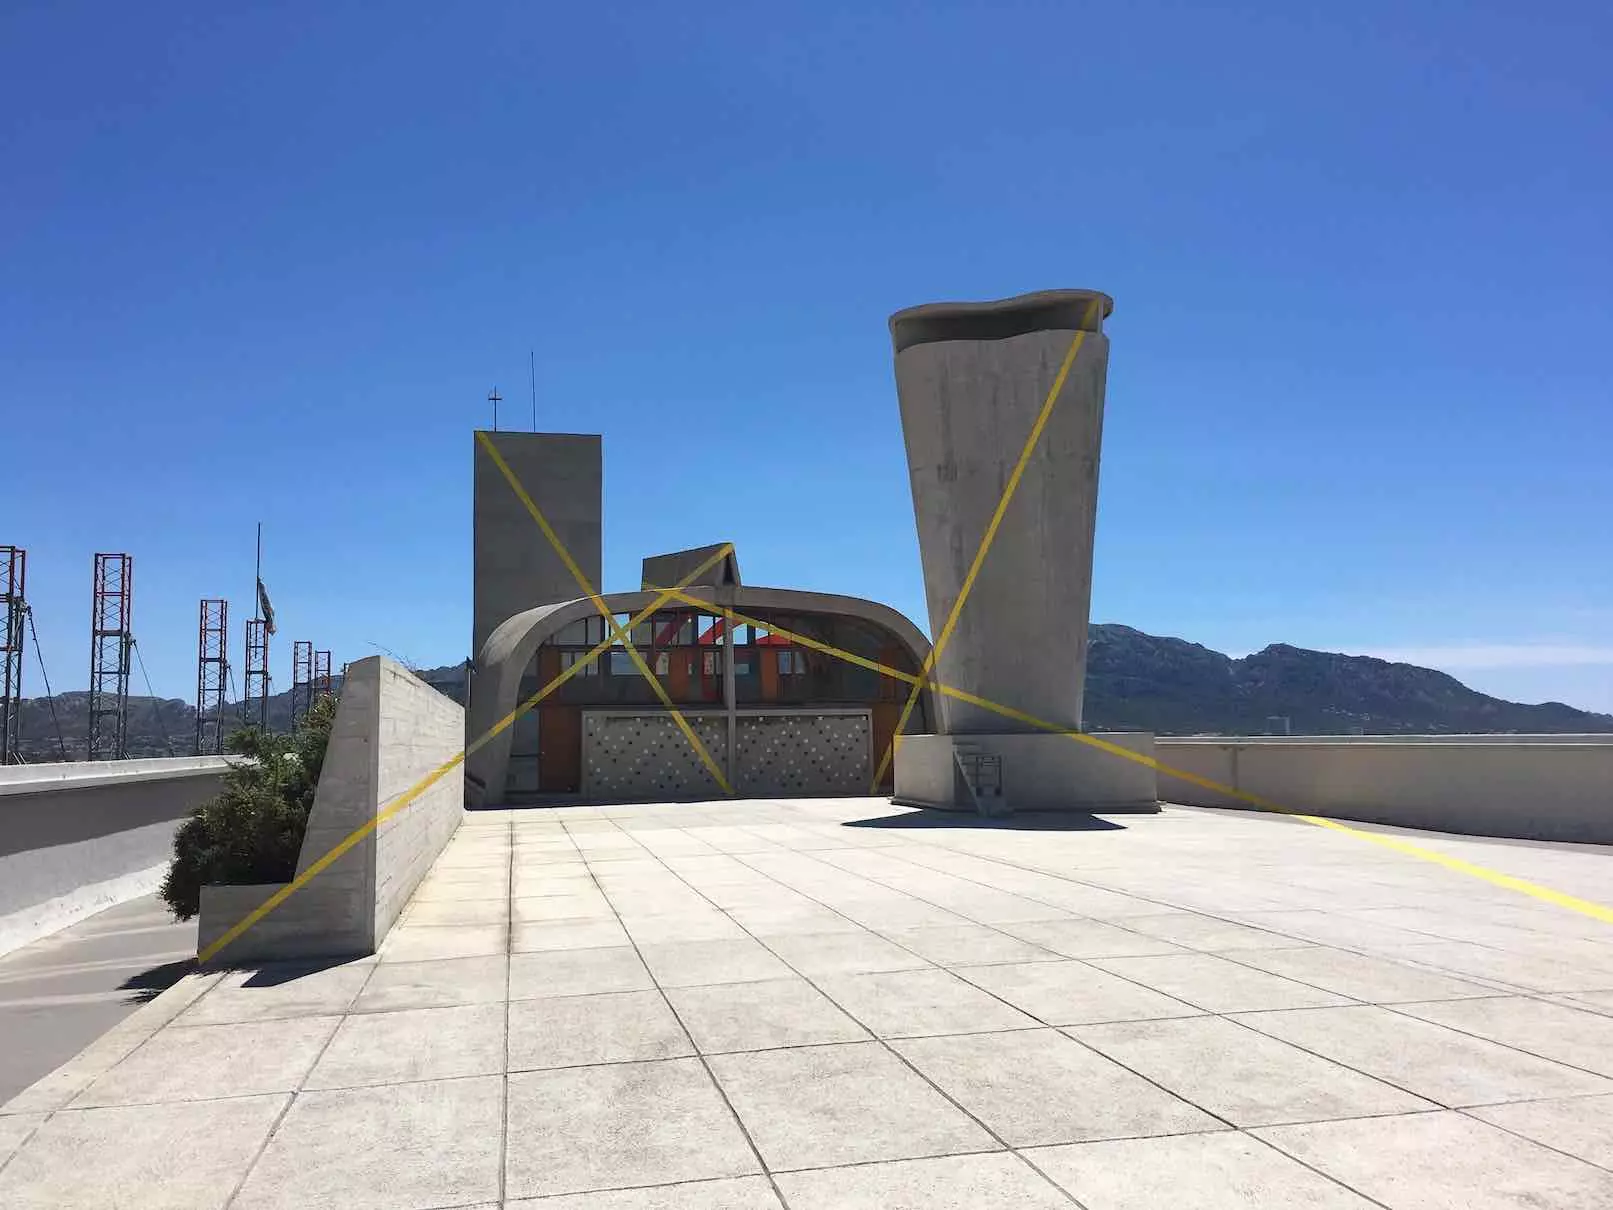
[[82, 836], [1530, 787], [391, 730]]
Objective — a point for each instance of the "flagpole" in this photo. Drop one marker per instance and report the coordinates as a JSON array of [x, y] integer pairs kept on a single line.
[[258, 572]]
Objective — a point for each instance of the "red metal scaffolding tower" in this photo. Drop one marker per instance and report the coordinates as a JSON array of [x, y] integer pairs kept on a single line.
[[302, 679], [322, 682], [13, 616], [255, 703], [111, 645], [212, 674]]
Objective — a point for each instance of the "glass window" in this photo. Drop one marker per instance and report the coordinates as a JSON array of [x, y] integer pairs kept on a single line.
[[663, 663], [568, 658], [621, 664]]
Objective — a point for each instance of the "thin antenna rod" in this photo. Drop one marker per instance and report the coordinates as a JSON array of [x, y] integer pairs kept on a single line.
[[257, 569], [532, 363], [493, 397]]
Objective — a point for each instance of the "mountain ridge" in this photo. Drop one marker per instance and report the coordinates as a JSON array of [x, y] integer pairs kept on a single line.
[[1135, 682]]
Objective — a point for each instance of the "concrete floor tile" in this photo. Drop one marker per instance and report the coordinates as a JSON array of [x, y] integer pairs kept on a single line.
[[970, 944], [443, 890], [1429, 1060], [457, 911], [425, 943], [279, 990], [1373, 980], [661, 925], [1222, 1171], [1245, 1077], [532, 936], [761, 1016], [1216, 984], [396, 1147], [612, 1027], [1577, 1037], [822, 1105], [1090, 939], [561, 907], [586, 1128], [214, 1061], [145, 1157], [1443, 1161], [1526, 971], [738, 1193], [441, 984], [412, 1044], [1197, 932], [693, 963], [843, 953], [905, 1004], [1581, 1126], [1034, 1087], [14, 1128], [577, 972], [1072, 993], [992, 1181]]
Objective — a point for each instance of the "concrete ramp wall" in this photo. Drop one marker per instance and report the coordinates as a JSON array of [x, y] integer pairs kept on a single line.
[[391, 730], [1530, 787], [82, 836]]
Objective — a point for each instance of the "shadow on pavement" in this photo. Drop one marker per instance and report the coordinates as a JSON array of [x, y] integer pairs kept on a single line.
[[1026, 821], [153, 981]]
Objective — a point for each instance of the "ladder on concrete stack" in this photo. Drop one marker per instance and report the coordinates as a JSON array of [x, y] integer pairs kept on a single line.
[[981, 774]]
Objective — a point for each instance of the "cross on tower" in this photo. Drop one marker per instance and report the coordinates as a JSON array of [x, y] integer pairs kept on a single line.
[[494, 397]]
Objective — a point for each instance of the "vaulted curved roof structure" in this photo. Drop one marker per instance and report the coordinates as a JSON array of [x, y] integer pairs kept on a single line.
[[510, 651]]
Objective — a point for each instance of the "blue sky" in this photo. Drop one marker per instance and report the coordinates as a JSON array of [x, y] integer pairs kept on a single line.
[[266, 261]]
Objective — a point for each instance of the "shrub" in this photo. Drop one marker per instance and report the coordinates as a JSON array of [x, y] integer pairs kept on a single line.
[[252, 832]]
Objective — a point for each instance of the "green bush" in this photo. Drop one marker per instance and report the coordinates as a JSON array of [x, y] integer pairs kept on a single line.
[[252, 832]]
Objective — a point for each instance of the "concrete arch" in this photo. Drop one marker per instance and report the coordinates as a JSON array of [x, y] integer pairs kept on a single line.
[[495, 684]]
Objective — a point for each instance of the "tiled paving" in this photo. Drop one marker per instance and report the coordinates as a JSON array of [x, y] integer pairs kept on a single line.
[[835, 1003]]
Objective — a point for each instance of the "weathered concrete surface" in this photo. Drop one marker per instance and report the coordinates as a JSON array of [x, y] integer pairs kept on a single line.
[[1040, 771], [81, 837], [391, 730], [60, 993], [1528, 787], [682, 1006], [972, 379], [514, 566]]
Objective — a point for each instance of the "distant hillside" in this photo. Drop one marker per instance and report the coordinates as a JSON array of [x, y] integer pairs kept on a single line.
[[1138, 681], [1135, 682]]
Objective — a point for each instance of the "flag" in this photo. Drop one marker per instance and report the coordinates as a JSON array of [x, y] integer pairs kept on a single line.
[[266, 609]]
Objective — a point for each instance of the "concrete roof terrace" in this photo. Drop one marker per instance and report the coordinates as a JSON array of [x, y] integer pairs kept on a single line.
[[835, 1003]]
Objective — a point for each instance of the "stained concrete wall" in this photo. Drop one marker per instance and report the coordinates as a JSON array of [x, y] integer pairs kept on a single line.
[[971, 379], [391, 730], [1527, 787], [79, 837], [515, 566], [1040, 772]]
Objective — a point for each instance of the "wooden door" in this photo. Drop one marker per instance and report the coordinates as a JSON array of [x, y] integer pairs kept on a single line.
[[559, 749], [886, 715]]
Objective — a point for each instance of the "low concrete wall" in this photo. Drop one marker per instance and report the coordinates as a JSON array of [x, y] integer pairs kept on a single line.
[[1542, 787], [391, 730], [79, 837], [1041, 772]]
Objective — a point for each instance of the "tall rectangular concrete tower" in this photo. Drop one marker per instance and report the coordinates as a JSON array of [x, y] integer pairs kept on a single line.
[[514, 566]]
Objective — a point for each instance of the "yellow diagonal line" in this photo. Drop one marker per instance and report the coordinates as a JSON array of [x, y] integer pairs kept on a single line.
[[1572, 903], [988, 538], [441, 771], [617, 633]]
